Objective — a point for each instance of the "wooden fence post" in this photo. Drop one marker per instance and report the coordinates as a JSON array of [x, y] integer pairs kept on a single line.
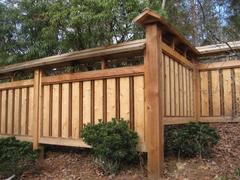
[[37, 89], [154, 100]]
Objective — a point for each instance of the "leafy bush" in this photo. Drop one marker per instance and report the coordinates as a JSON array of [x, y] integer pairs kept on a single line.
[[113, 144], [190, 140], [15, 156], [237, 172]]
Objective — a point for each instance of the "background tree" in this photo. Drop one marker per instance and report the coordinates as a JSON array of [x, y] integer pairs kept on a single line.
[[39, 28]]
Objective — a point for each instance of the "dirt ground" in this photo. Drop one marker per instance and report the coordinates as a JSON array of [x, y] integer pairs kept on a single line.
[[76, 164]]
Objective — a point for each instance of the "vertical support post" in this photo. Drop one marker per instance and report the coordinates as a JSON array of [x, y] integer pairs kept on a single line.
[[154, 100], [196, 91], [36, 105]]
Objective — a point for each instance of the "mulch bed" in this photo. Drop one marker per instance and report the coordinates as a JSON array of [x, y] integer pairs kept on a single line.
[[65, 163]]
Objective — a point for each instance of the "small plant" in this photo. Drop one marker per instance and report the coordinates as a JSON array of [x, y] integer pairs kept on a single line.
[[237, 172], [15, 156], [190, 140], [113, 144]]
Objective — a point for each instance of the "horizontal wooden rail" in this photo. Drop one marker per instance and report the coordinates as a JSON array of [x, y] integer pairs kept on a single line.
[[16, 84], [178, 120], [94, 75], [176, 56], [219, 65], [20, 138], [219, 119], [64, 142], [78, 55]]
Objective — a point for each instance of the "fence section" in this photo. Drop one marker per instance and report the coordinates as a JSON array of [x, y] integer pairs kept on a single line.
[[16, 108], [179, 86], [219, 90], [70, 101]]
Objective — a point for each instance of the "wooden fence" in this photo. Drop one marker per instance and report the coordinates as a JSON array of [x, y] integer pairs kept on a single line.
[[169, 88]]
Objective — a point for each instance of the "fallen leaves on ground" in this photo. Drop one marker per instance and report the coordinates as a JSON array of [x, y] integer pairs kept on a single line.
[[223, 163]]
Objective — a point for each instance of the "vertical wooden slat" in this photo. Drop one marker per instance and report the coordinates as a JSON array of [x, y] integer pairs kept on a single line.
[[191, 94], [24, 111], [75, 110], [204, 94], [111, 99], [187, 92], [139, 122], [55, 109], [177, 89], [184, 92], [237, 86], [172, 87], [167, 87], [16, 111], [124, 99], [65, 109], [86, 102], [215, 93], [3, 112], [46, 110], [98, 100], [10, 112], [181, 102], [227, 89], [80, 107], [30, 110]]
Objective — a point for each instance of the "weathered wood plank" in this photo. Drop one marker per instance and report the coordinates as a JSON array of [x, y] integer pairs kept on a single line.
[[24, 111], [55, 110], [219, 65], [172, 87], [111, 99], [167, 87], [204, 94], [3, 112], [65, 110], [184, 91], [75, 110], [181, 93], [98, 100], [216, 93], [30, 110], [16, 111], [86, 102], [237, 85], [177, 89], [227, 89], [139, 121], [89, 54], [16, 84], [46, 111], [95, 75], [10, 112], [124, 99]]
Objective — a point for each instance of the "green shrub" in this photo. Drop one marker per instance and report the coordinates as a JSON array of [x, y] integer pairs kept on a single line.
[[190, 139], [113, 144], [237, 172], [15, 156]]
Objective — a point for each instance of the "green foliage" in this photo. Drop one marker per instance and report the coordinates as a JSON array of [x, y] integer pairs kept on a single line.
[[15, 156], [190, 140], [113, 143], [237, 172]]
